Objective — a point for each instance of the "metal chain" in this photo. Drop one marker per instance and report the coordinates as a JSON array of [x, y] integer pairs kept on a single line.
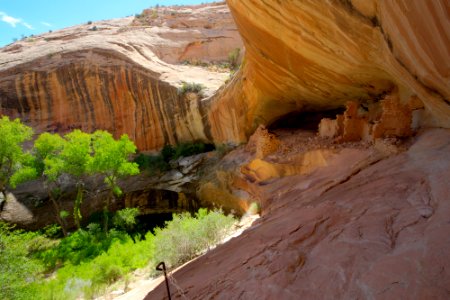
[[175, 284]]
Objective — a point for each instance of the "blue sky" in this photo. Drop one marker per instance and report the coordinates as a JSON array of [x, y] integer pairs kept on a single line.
[[26, 17]]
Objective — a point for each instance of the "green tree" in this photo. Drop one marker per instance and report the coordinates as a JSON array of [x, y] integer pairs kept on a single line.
[[50, 166], [76, 160], [15, 164], [111, 160]]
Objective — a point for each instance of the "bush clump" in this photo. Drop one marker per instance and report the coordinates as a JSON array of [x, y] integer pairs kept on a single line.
[[154, 164], [185, 149], [19, 270], [191, 87], [185, 236], [233, 58], [160, 163]]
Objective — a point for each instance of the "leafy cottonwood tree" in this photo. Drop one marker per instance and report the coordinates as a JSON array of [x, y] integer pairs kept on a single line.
[[15, 164], [49, 165], [111, 160], [76, 161]]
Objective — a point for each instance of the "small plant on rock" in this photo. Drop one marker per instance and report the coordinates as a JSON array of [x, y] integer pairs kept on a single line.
[[233, 58], [191, 87]]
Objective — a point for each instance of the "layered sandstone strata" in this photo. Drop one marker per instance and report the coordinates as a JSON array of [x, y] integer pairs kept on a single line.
[[119, 76], [317, 55], [300, 56]]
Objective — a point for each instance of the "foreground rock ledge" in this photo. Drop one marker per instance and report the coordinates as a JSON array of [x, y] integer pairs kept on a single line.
[[350, 230]]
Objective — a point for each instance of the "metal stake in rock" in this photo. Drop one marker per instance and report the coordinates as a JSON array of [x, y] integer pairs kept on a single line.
[[162, 267]]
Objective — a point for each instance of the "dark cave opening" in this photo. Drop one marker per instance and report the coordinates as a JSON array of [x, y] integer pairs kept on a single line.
[[149, 222], [306, 120], [156, 206]]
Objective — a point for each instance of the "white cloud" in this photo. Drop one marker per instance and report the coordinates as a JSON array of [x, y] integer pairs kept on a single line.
[[14, 21], [46, 24], [8, 19], [27, 25]]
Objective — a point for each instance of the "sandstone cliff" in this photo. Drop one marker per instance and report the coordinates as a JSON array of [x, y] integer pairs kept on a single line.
[[300, 56], [316, 55], [121, 75], [355, 220]]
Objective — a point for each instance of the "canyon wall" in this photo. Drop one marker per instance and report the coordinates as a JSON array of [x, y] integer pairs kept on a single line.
[[317, 55], [121, 75]]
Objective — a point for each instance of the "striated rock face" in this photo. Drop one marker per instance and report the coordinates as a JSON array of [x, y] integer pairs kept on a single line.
[[316, 55], [300, 56], [207, 32], [120, 76], [364, 225]]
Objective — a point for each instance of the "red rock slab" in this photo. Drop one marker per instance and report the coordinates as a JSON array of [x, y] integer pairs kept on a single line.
[[379, 230]]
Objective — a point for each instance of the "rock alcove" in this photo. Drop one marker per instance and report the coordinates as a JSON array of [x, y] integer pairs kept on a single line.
[[306, 120]]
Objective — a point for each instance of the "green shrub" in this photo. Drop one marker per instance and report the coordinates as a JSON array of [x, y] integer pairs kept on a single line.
[[19, 270], [185, 149], [167, 152], [92, 275], [160, 163], [188, 149], [214, 227], [185, 236], [233, 58], [151, 163], [80, 246], [52, 231], [191, 87], [125, 219]]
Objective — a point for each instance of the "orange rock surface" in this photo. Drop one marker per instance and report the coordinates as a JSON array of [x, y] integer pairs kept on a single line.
[[299, 56], [119, 76], [388, 119], [363, 226], [262, 143], [315, 55]]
